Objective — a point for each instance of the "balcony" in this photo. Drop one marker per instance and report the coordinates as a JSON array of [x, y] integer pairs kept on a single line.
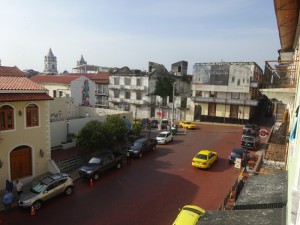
[[115, 86], [135, 101], [247, 102], [134, 87], [115, 100], [100, 93]]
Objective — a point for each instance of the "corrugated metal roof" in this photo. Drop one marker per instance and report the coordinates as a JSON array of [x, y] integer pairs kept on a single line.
[[244, 217], [263, 191]]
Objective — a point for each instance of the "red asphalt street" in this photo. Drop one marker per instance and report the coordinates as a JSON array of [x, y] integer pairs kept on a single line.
[[151, 189]]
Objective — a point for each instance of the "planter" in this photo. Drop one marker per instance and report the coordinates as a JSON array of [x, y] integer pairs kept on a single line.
[[66, 145]]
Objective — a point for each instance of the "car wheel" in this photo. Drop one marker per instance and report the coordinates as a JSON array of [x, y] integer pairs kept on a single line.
[[208, 166], [119, 165], [96, 176], [172, 139], [165, 142], [69, 190], [37, 205], [140, 155]]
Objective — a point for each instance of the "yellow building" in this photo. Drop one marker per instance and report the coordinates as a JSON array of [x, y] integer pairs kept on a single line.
[[24, 127]]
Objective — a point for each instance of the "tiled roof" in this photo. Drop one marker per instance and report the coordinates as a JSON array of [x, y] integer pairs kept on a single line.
[[61, 79], [14, 97], [19, 84], [11, 71]]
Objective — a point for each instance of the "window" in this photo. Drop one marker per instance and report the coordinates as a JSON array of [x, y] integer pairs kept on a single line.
[[127, 81], [116, 93], [127, 94], [6, 118], [138, 82], [139, 95], [212, 94], [60, 94], [235, 95], [54, 93], [32, 115], [116, 81]]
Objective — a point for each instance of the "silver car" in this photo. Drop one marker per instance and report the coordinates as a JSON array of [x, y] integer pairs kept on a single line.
[[164, 137], [47, 188]]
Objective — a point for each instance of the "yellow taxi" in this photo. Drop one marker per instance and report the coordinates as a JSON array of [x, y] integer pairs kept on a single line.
[[204, 159], [189, 215], [187, 125]]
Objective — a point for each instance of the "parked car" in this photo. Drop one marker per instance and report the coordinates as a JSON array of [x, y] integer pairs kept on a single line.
[[154, 123], [251, 129], [189, 215], [240, 153], [142, 145], [101, 163], [164, 124], [250, 141], [145, 122], [204, 159], [164, 137], [187, 125], [46, 189]]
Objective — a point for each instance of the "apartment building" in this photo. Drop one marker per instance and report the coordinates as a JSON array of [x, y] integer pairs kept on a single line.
[[225, 91]]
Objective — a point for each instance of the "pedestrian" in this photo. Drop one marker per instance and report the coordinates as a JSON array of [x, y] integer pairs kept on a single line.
[[128, 159], [7, 201], [9, 186], [19, 186]]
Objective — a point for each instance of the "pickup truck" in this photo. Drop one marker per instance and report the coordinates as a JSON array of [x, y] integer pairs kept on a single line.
[[101, 163], [142, 145]]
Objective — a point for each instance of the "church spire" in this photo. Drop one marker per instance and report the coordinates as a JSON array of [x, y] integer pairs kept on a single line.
[[50, 63]]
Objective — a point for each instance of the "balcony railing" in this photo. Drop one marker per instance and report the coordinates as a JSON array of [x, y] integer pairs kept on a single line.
[[226, 101], [115, 86], [135, 101], [134, 87], [117, 100]]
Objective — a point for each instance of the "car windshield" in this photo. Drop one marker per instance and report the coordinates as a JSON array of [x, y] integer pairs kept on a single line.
[[193, 210], [161, 135], [248, 139], [95, 160], [137, 144], [164, 122], [201, 156], [38, 188]]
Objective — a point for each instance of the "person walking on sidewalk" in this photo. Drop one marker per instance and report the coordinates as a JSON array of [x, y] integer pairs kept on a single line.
[[128, 159], [19, 186], [7, 201]]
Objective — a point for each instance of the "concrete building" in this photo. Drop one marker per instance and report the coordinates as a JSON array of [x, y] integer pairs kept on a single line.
[[225, 91], [24, 127]]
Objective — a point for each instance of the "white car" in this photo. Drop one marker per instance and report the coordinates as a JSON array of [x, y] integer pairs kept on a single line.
[[164, 137]]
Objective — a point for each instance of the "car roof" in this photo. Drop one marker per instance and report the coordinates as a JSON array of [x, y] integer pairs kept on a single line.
[[141, 139], [204, 152], [165, 132], [238, 150], [54, 177]]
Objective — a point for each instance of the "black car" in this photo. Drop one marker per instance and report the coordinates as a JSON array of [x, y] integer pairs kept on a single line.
[[154, 123], [251, 129], [240, 153], [164, 124], [250, 141], [142, 145], [145, 122]]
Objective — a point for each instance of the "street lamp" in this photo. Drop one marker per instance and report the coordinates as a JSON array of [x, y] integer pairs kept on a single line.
[[173, 104], [67, 130]]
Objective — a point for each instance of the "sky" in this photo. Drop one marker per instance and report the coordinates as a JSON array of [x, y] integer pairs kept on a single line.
[[118, 33]]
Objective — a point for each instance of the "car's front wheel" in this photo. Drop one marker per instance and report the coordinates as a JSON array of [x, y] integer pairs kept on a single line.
[[69, 190], [37, 205]]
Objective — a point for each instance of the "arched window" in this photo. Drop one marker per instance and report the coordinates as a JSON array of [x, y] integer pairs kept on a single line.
[[32, 115], [6, 117]]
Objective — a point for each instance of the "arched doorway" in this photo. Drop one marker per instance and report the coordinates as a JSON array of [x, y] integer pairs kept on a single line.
[[20, 162], [197, 112]]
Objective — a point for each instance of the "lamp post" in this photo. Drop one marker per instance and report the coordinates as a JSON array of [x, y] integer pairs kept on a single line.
[[173, 104], [67, 130]]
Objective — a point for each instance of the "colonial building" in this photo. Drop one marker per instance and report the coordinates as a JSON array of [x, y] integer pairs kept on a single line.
[[225, 91], [50, 63], [24, 127]]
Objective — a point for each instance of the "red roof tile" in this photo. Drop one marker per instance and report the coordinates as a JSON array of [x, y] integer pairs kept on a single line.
[[61, 79], [11, 71], [14, 97], [19, 83]]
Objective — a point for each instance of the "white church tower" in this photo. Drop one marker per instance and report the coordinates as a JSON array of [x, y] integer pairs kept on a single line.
[[50, 63]]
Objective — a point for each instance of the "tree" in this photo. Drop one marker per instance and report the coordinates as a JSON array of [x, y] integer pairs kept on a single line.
[[92, 135], [164, 85], [116, 128]]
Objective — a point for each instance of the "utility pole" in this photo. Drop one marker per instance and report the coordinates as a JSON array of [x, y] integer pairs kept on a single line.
[[173, 104]]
